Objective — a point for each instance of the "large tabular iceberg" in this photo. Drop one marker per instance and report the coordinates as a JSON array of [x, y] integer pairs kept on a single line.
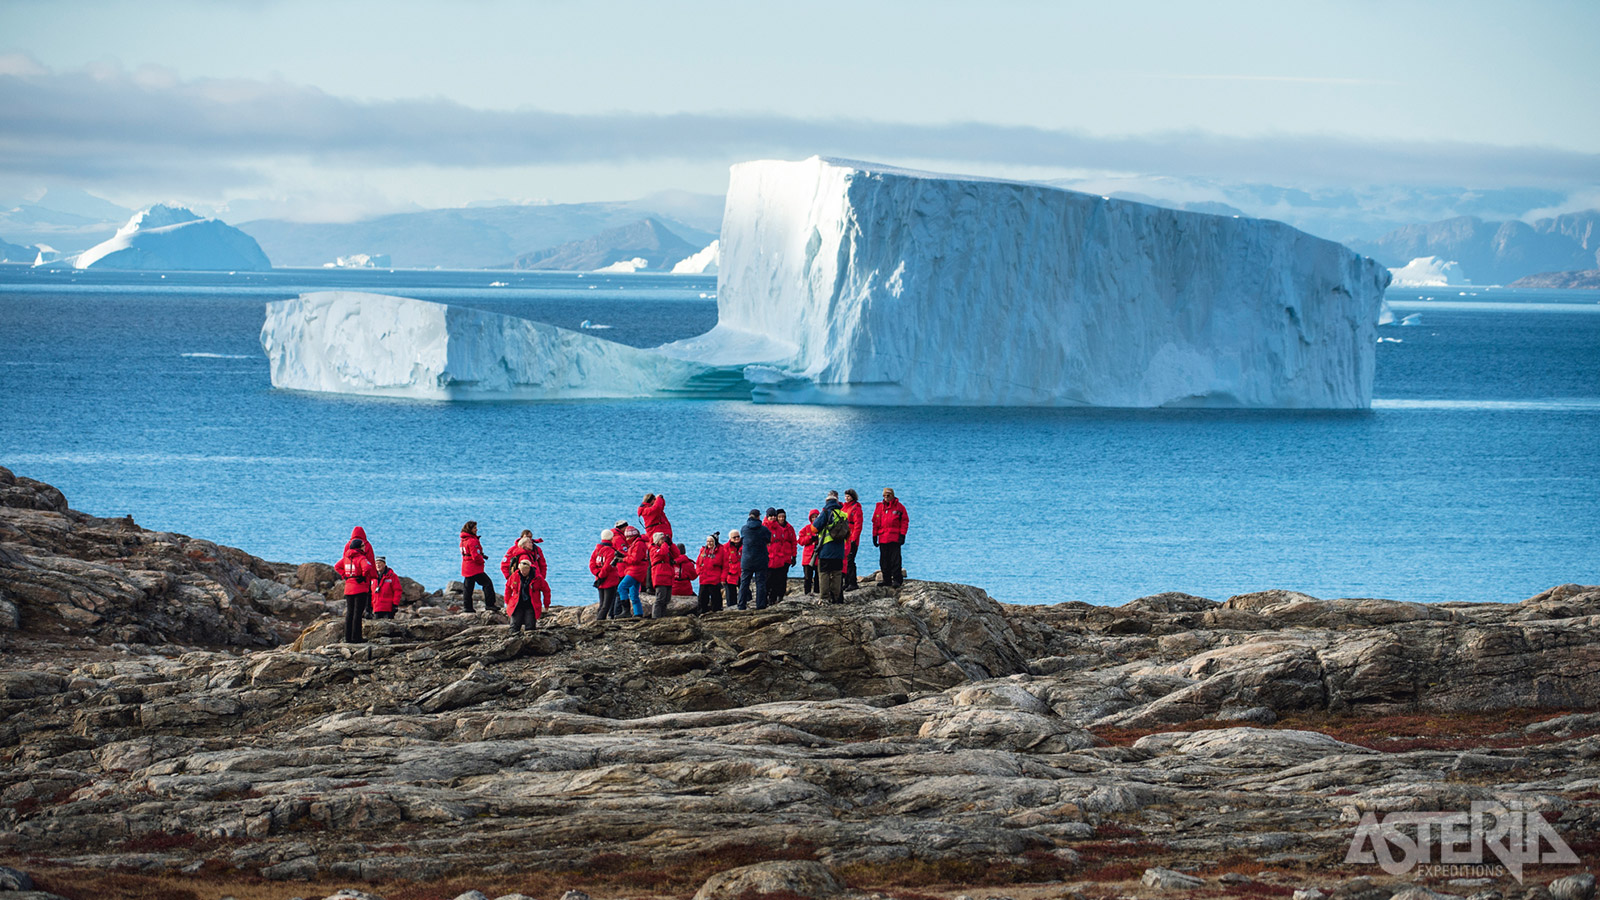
[[849, 283], [354, 343], [899, 287]]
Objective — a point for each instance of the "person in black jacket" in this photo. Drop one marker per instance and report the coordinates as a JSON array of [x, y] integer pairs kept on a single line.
[[753, 561]]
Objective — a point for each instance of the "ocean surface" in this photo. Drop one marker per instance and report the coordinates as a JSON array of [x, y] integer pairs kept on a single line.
[[1475, 477]]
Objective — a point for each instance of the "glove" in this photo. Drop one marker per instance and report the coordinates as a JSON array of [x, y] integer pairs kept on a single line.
[[874, 542]]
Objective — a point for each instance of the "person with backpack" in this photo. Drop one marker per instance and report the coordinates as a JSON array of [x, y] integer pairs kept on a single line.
[[360, 534], [604, 565], [684, 574], [358, 575], [890, 522], [753, 562], [472, 573], [807, 542], [833, 545], [709, 564], [852, 509], [525, 545], [525, 597], [387, 591], [732, 553]]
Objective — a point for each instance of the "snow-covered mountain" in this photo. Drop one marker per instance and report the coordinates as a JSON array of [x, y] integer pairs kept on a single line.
[[646, 239], [172, 237]]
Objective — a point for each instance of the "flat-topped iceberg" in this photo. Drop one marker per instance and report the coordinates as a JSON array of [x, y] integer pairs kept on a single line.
[[850, 283], [371, 344], [901, 287]]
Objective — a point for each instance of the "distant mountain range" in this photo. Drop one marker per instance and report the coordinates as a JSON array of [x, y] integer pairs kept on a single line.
[[1495, 252], [646, 239], [476, 238], [1588, 279]]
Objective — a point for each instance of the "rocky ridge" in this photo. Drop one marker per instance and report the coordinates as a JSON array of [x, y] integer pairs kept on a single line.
[[926, 736]]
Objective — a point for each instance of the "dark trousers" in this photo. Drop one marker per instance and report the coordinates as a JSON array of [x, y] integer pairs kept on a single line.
[[830, 578], [730, 596], [850, 582], [608, 604], [777, 584], [889, 565], [354, 606], [663, 597], [524, 616], [811, 578], [488, 592], [710, 599], [753, 587], [386, 614]]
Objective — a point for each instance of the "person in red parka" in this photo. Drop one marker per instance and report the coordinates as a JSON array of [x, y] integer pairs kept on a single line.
[[358, 575], [685, 574], [526, 545], [527, 595], [664, 558], [472, 573], [653, 513], [780, 554], [709, 565], [635, 567], [360, 534], [731, 552], [852, 509], [387, 591], [807, 542], [605, 566], [890, 522]]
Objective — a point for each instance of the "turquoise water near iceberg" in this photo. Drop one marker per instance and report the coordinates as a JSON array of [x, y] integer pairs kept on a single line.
[[1474, 477]]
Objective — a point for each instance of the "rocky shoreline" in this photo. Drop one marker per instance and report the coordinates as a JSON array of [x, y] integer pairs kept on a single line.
[[179, 719]]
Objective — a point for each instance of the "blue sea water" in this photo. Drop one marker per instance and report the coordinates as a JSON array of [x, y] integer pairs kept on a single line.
[[1473, 478]]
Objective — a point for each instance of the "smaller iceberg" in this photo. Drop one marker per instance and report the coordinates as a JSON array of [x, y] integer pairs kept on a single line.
[[1429, 271], [347, 342], [702, 263]]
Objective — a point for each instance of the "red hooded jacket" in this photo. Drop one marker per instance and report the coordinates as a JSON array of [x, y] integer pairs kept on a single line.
[[358, 573], [636, 560], [538, 592], [471, 555], [603, 565], [388, 592], [683, 577], [664, 563], [709, 564], [780, 552], [730, 562], [808, 542], [890, 522], [853, 510], [654, 517], [515, 552]]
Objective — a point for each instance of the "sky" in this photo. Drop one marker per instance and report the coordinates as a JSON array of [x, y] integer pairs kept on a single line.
[[329, 110]]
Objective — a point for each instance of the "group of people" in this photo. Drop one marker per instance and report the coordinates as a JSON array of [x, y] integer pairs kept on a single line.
[[630, 563], [752, 567]]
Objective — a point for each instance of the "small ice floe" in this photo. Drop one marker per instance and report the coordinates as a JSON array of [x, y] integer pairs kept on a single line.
[[1389, 340], [1413, 319], [592, 326], [215, 356], [498, 284]]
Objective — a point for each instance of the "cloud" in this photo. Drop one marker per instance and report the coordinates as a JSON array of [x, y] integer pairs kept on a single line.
[[107, 123]]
